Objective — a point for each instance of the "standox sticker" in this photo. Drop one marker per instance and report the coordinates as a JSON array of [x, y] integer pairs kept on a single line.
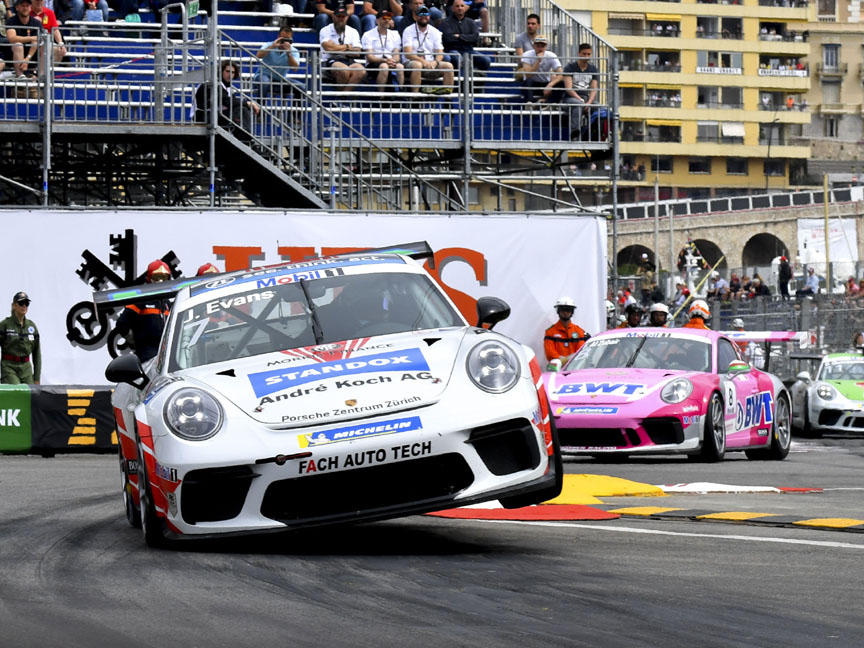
[[619, 389], [269, 382], [757, 409], [587, 409], [380, 428]]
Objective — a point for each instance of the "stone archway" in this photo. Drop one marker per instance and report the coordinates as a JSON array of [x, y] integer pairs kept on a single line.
[[761, 249], [631, 256]]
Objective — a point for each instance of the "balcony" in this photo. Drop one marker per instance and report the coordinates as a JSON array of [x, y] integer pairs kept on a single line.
[[825, 70], [661, 68], [713, 69], [835, 108], [724, 34], [783, 72], [798, 4]]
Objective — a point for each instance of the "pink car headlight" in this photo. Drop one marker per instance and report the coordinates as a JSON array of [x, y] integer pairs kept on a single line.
[[676, 390]]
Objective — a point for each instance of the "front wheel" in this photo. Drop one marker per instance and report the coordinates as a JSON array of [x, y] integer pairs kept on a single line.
[[781, 434], [151, 524], [133, 515], [714, 436]]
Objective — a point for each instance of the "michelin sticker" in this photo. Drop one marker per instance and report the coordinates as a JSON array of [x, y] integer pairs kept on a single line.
[[380, 428], [587, 409], [276, 380]]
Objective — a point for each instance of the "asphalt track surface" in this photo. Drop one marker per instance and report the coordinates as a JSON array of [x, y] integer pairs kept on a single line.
[[73, 573]]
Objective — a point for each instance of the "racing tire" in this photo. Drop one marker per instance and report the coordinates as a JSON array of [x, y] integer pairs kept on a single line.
[[133, 515], [714, 441], [151, 524], [781, 435], [548, 493]]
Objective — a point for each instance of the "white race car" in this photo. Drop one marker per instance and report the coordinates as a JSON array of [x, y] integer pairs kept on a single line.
[[328, 391]]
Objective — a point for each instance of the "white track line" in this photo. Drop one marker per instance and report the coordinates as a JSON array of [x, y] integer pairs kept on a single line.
[[623, 529]]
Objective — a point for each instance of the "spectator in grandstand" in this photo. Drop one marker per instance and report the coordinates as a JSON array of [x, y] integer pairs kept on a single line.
[[76, 9], [409, 17], [371, 9], [19, 345], [459, 35], [581, 81], [22, 31], [718, 289], [783, 277], [734, 287], [857, 341], [525, 42], [542, 72], [852, 288], [279, 59], [383, 46], [124, 8], [476, 11], [49, 22], [341, 52], [423, 53], [758, 289], [235, 110], [811, 286], [745, 286], [327, 15], [656, 295]]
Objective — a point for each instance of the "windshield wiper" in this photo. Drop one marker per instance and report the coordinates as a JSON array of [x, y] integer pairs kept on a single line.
[[316, 325], [636, 352]]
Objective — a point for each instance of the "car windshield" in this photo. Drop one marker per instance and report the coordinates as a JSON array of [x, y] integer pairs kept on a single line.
[[643, 352], [853, 370], [307, 313]]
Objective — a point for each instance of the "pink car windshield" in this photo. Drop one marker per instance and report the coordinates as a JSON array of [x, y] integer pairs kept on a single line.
[[670, 353]]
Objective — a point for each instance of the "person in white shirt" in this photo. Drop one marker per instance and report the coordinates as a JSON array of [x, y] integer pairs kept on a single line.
[[382, 47], [424, 55], [542, 69], [341, 52]]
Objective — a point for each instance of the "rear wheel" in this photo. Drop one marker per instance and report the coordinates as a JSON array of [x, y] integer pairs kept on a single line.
[[133, 515], [550, 492], [151, 524], [781, 434], [714, 441]]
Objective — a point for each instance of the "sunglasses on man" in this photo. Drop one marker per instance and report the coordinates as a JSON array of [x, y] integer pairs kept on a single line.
[[26, 302]]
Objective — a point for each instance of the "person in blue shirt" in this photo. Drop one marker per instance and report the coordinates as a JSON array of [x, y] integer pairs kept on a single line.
[[811, 286], [279, 59]]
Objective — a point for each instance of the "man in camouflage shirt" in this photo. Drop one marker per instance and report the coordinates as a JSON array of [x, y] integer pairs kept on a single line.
[[19, 343]]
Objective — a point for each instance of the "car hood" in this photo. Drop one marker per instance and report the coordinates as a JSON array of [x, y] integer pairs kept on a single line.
[[851, 389], [608, 386], [338, 382]]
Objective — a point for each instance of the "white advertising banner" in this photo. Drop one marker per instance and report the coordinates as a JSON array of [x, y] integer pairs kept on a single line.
[[529, 261], [842, 240]]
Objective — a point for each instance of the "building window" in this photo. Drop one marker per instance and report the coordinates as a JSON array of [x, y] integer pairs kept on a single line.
[[830, 93], [661, 164], [700, 165], [827, 8], [831, 126], [707, 131], [736, 166], [774, 167], [830, 57]]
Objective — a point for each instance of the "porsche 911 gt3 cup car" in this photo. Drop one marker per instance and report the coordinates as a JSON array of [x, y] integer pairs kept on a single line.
[[334, 390], [652, 391], [834, 400]]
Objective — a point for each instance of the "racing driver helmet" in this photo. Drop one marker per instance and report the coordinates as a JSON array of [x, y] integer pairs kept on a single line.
[[699, 309]]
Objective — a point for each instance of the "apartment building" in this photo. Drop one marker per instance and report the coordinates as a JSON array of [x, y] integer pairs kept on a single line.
[[713, 95]]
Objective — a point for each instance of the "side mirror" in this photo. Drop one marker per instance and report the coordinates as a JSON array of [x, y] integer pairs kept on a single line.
[[738, 367], [554, 365], [804, 377], [126, 369], [491, 310]]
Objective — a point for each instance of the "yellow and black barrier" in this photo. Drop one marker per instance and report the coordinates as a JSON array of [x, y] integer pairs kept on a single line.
[[46, 419]]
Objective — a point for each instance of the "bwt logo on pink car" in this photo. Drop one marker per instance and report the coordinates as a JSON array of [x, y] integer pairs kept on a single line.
[[757, 409], [620, 389]]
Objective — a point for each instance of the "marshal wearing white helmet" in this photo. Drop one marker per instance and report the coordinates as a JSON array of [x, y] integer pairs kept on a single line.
[[657, 314], [699, 314], [563, 338]]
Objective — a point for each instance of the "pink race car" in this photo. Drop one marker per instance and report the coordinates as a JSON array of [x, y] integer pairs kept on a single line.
[[660, 391]]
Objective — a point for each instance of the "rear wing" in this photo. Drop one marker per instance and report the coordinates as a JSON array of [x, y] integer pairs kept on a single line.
[[767, 336], [107, 300]]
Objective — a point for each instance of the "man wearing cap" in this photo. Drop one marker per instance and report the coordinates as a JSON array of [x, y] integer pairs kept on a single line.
[[280, 58], [22, 32], [327, 10], [424, 55], [460, 35], [371, 9], [542, 70], [382, 46], [341, 52], [409, 17], [141, 324], [19, 343]]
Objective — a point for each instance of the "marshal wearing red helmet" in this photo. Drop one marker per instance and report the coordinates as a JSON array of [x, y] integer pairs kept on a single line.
[[141, 324]]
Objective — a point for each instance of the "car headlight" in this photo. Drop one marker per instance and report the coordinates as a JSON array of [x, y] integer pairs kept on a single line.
[[193, 414], [826, 392], [493, 367], [677, 390]]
